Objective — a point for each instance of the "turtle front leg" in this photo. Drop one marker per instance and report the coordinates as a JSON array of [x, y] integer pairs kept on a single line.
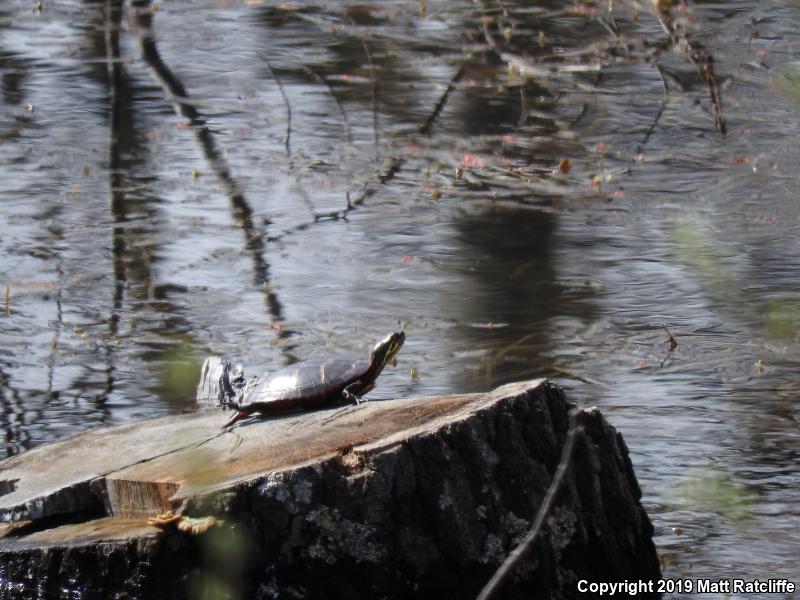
[[349, 395], [353, 393]]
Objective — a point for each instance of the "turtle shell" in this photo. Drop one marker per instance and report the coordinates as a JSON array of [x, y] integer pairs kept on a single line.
[[306, 386]]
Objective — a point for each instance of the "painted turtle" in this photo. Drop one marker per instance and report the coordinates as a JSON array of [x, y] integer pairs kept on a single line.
[[312, 385]]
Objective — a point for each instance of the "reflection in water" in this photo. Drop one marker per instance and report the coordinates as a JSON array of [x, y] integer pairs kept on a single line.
[[12, 80], [13, 407], [143, 18], [123, 139], [515, 294], [120, 263], [513, 291]]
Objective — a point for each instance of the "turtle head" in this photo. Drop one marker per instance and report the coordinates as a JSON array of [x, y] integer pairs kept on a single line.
[[386, 350]]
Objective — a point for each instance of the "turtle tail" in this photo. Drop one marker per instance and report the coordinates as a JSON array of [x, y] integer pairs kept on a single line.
[[239, 414]]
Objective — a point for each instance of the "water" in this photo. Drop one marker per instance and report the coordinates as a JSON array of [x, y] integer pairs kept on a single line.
[[126, 257]]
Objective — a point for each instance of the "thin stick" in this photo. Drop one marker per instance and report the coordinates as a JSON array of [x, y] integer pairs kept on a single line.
[[389, 169], [673, 343], [578, 376], [287, 142], [520, 551], [664, 101], [376, 126], [702, 60], [286, 103], [347, 133], [425, 127]]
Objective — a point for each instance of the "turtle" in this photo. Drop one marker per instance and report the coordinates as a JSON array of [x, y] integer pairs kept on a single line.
[[317, 384]]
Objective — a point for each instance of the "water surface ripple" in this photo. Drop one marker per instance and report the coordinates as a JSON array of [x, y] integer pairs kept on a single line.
[[268, 183]]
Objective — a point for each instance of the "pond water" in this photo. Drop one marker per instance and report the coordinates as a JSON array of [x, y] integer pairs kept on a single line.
[[270, 183]]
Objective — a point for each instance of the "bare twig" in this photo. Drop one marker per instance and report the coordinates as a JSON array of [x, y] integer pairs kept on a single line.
[[673, 344], [387, 171], [286, 103], [661, 109], [334, 214], [578, 376], [373, 93], [346, 123], [542, 73], [425, 127], [702, 60], [287, 143], [514, 558], [332, 24]]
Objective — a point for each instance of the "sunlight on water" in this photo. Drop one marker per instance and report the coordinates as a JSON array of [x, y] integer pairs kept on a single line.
[[522, 234]]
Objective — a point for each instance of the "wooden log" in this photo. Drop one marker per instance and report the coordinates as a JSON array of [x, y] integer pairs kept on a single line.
[[417, 497]]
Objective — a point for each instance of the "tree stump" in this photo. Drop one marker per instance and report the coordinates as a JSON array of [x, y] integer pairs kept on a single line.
[[418, 497]]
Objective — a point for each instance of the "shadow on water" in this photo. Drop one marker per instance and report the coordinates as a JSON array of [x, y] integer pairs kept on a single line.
[[514, 294]]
